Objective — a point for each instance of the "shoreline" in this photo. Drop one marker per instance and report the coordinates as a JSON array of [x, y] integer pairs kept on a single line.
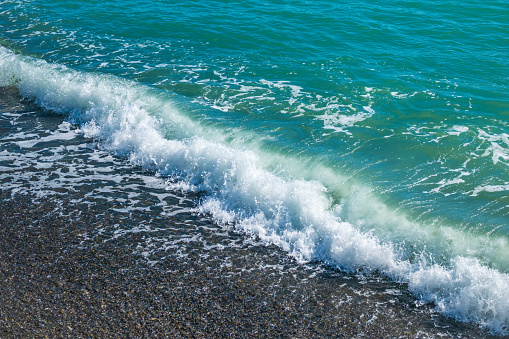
[[52, 286], [118, 257]]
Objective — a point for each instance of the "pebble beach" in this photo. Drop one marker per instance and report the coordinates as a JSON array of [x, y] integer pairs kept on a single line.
[[74, 263]]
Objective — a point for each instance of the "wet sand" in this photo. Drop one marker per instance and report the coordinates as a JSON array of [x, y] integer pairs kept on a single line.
[[76, 264]]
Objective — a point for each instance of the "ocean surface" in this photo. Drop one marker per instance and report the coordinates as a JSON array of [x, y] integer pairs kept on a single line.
[[372, 137]]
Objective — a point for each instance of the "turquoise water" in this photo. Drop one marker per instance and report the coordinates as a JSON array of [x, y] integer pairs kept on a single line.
[[373, 137]]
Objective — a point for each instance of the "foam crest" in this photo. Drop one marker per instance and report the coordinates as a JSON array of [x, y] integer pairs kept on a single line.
[[311, 214], [442, 243], [467, 291]]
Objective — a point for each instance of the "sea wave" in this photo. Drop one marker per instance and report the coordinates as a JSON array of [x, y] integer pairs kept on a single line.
[[311, 211]]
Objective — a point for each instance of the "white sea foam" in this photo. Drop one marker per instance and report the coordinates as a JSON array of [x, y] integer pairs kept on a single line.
[[309, 212], [340, 122], [457, 130], [490, 188], [63, 133], [498, 149]]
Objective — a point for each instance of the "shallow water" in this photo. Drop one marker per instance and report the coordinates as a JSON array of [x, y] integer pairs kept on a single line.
[[68, 177]]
